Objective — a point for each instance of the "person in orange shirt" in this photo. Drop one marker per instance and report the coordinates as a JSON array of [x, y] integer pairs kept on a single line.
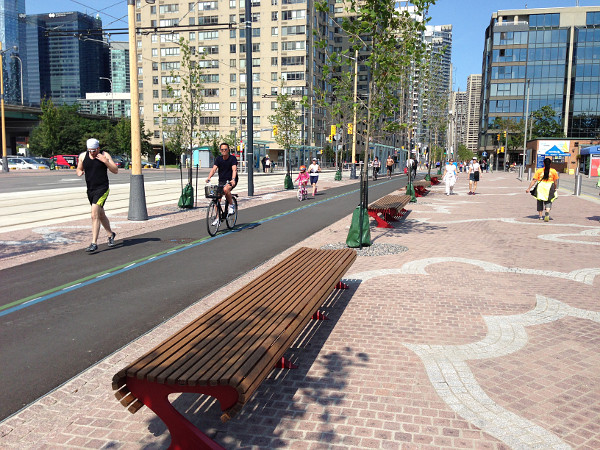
[[547, 185]]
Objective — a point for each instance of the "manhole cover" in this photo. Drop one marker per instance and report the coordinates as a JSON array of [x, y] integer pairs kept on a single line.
[[373, 250]]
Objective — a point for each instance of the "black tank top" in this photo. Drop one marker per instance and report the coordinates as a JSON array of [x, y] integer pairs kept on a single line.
[[96, 173]]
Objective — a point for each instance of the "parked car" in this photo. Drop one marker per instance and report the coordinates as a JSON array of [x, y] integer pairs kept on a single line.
[[65, 161], [121, 161], [40, 160], [147, 165], [21, 162]]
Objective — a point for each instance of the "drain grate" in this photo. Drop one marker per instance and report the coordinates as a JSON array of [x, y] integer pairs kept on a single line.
[[373, 250]]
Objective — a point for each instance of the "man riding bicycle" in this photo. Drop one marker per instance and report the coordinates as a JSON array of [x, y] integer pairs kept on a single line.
[[226, 164]]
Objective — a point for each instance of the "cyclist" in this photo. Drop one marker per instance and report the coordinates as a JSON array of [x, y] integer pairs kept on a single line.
[[226, 164], [302, 178]]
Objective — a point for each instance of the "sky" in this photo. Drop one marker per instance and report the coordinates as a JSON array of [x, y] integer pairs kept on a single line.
[[469, 19]]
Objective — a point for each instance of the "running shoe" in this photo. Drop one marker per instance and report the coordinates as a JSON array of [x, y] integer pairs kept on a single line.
[[547, 217], [92, 248], [231, 210], [111, 239]]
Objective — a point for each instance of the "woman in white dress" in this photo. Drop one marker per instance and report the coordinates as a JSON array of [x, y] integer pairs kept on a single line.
[[450, 176]]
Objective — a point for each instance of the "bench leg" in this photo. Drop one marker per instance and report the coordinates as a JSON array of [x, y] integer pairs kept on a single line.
[[380, 222], [319, 316], [184, 435], [341, 285], [285, 363], [389, 216]]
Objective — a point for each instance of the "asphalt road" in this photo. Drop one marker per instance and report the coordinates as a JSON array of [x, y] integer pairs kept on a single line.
[[107, 299]]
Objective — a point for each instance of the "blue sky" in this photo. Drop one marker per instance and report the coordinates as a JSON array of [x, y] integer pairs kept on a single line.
[[469, 19]]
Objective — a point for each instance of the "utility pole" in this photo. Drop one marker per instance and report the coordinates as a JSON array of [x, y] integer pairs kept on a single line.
[[249, 112]]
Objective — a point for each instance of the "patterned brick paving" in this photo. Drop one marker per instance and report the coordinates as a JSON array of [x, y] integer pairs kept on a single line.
[[484, 334]]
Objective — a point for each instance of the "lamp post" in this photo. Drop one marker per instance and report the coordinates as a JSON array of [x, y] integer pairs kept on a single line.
[[4, 159], [137, 195], [525, 129], [21, 67], [354, 130], [112, 95]]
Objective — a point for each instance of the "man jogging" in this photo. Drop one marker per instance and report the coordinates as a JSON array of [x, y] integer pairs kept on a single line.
[[95, 164]]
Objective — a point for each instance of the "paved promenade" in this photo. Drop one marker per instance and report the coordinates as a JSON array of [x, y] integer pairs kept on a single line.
[[469, 324]]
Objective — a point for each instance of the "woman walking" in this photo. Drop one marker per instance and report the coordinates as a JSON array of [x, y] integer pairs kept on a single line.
[[450, 177], [547, 184]]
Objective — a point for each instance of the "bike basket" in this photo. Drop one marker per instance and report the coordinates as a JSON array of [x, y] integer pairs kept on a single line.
[[213, 191]]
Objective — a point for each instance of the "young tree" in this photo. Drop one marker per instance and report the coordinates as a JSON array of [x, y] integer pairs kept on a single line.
[[181, 112], [545, 123], [286, 129]]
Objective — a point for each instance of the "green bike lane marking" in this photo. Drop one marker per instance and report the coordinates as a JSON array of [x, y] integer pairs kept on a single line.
[[90, 279]]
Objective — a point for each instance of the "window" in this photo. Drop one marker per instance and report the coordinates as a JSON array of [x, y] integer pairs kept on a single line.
[[293, 45], [209, 50], [171, 37], [168, 22], [292, 76], [208, 6], [192, 21], [152, 9], [233, 106], [274, 31], [256, 120], [232, 48], [156, 134], [208, 35], [166, 9], [154, 65], [255, 48], [274, 46], [209, 107], [293, 30], [274, 16], [191, 6], [154, 38], [209, 64], [273, 76], [154, 52], [210, 78], [208, 20], [209, 120], [192, 35], [232, 77], [232, 34], [233, 121], [292, 60], [233, 92], [291, 15], [172, 51], [154, 80], [232, 63], [232, 4], [255, 62], [170, 80], [274, 61], [170, 65], [155, 93]]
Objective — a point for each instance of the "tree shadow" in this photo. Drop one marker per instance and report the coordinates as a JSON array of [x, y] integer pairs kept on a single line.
[[285, 395], [594, 218]]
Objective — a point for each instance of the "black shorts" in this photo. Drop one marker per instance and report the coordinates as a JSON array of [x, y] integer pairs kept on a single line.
[[474, 176], [98, 196]]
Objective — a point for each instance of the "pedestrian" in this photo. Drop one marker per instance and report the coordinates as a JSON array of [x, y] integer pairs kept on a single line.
[[389, 164], [263, 162], [376, 167], [545, 191], [474, 173], [157, 159], [450, 176], [95, 164], [267, 164], [314, 170], [414, 168]]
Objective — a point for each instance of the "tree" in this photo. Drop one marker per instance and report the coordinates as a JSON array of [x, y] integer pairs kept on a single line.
[[183, 108], [286, 127], [545, 123], [464, 154]]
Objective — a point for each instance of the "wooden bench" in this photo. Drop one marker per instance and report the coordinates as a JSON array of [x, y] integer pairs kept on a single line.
[[434, 181], [420, 186], [390, 207], [229, 350]]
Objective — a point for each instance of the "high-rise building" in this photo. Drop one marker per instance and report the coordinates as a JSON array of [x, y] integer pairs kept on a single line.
[[556, 49], [10, 36], [457, 131], [119, 66], [282, 48], [66, 56], [473, 110]]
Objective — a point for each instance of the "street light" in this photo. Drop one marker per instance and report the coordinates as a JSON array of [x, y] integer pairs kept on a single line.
[[21, 67], [112, 95]]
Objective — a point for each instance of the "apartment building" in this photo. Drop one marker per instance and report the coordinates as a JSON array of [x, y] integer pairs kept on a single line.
[[282, 49], [473, 110]]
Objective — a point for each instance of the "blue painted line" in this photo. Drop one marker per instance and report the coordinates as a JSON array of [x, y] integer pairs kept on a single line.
[[104, 275]]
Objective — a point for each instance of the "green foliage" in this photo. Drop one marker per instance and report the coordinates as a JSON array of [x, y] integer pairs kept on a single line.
[[63, 131], [463, 153], [183, 108], [286, 121], [545, 123]]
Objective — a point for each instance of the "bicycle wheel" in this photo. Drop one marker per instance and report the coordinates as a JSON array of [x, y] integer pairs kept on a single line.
[[232, 218], [300, 194], [212, 218]]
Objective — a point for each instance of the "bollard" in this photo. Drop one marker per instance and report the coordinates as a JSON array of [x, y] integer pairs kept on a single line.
[[577, 190], [529, 174]]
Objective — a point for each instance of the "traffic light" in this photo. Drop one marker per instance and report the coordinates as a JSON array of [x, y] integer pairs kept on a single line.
[[504, 134], [275, 130], [350, 128], [333, 130], [501, 150], [498, 137]]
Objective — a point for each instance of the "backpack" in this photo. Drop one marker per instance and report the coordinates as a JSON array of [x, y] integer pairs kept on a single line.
[[187, 197]]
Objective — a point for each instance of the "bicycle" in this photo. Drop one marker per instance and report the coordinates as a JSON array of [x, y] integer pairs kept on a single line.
[[216, 213], [302, 192]]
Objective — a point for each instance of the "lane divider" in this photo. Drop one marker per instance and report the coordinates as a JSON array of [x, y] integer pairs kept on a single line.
[[39, 297]]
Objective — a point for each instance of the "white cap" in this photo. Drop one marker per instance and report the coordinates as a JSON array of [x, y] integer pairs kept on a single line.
[[93, 143]]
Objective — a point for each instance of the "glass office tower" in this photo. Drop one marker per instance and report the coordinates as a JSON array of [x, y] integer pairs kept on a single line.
[[66, 53], [9, 36], [558, 51]]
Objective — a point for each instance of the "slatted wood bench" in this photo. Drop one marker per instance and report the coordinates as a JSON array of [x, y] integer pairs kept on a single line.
[[390, 207], [229, 350], [420, 186]]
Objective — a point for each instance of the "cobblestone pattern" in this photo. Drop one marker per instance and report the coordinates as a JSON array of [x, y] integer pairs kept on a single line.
[[480, 335]]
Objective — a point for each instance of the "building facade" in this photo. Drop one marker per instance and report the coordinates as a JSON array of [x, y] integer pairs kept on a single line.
[[119, 67], [66, 56], [282, 49], [473, 111], [556, 50]]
